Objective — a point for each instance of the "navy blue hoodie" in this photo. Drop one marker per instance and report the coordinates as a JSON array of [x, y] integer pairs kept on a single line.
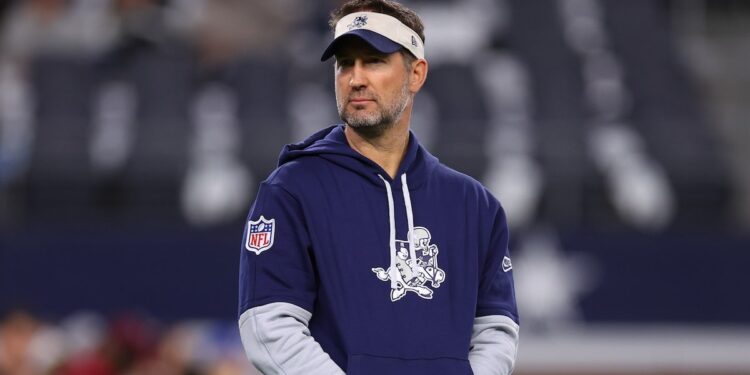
[[330, 232]]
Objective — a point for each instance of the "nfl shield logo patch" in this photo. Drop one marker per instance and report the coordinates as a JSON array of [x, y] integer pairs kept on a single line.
[[260, 234]]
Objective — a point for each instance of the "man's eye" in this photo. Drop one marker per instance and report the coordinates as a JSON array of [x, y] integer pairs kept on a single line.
[[344, 63]]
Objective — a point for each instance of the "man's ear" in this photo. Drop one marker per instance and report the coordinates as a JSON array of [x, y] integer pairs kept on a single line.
[[417, 75]]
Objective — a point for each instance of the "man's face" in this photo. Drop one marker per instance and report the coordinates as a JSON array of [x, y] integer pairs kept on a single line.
[[372, 88]]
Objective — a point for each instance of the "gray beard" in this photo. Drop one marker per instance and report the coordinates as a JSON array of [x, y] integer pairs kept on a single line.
[[373, 125]]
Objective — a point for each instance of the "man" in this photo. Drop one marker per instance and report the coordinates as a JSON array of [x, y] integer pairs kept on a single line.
[[362, 253]]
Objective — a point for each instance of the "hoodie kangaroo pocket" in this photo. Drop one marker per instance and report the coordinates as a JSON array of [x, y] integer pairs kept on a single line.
[[363, 364]]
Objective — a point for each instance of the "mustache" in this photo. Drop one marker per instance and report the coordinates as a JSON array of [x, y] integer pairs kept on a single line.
[[362, 95]]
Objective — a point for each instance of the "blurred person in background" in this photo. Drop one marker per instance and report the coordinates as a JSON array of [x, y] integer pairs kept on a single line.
[[28, 346], [325, 283], [16, 333]]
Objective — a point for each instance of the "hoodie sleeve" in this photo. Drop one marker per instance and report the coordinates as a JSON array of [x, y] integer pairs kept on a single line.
[[496, 290], [277, 341], [275, 263], [278, 289], [494, 344], [494, 339]]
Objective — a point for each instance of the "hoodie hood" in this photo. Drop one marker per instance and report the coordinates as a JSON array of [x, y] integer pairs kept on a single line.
[[331, 144]]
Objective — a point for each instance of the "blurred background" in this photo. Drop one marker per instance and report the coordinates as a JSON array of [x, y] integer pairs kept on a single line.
[[134, 133]]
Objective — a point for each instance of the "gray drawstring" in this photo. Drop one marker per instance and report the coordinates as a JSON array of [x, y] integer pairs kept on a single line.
[[393, 270], [410, 220]]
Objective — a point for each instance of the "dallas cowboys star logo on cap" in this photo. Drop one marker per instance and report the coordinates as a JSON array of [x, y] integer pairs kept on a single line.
[[358, 22]]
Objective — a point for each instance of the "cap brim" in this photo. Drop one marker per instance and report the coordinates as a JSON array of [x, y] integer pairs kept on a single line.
[[377, 41]]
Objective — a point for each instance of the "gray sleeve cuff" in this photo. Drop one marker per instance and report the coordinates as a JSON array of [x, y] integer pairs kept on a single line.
[[277, 341], [494, 343]]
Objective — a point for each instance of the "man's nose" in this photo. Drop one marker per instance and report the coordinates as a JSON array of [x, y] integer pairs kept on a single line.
[[358, 77]]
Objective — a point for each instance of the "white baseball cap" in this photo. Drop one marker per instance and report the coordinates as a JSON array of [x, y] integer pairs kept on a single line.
[[383, 32]]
